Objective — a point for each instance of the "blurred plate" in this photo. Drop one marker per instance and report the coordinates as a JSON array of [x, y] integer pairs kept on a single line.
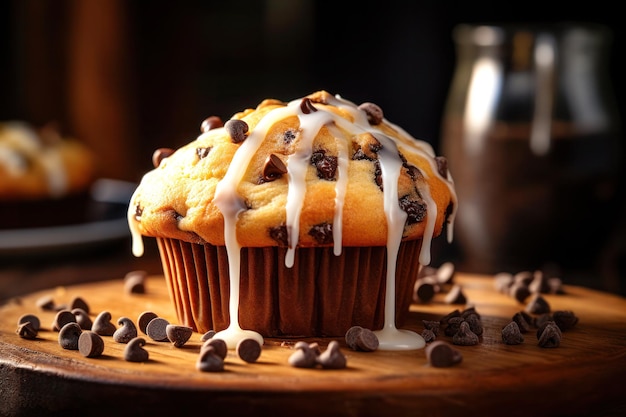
[[109, 224]]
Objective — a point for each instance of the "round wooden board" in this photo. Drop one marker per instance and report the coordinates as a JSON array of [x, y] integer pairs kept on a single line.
[[583, 376]]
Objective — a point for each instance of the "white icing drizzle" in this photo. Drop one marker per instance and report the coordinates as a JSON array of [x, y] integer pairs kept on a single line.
[[17, 141], [230, 204]]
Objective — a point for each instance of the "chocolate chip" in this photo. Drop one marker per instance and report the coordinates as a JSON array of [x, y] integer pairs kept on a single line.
[[306, 106], [326, 165], [32, 319], [102, 324], [367, 341], [442, 166], [138, 212], [156, 329], [45, 303], [134, 351], [519, 291], [451, 315], [203, 152], [303, 357], [374, 113], [273, 168], [542, 319], [432, 325], [288, 137], [177, 334], [145, 318], [332, 357], [68, 336], [455, 295], [502, 282], [211, 122], [441, 355], [249, 350], [556, 285], [208, 335], [237, 129], [126, 332], [428, 335], [415, 209], [279, 234], [135, 282], [218, 345], [539, 283], [475, 324], [522, 322], [209, 361], [61, 319], [549, 336], [26, 330], [351, 336], [537, 305], [90, 344], [322, 233], [524, 277], [79, 302], [465, 336], [445, 273], [160, 154], [565, 319], [82, 318], [511, 334], [425, 289]]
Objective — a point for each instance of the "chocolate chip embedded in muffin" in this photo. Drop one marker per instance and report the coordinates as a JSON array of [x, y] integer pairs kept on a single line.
[[415, 209], [288, 136], [203, 152], [273, 168], [442, 166], [210, 123], [237, 129], [365, 146], [322, 233], [374, 113], [326, 165], [160, 154], [307, 106], [280, 235]]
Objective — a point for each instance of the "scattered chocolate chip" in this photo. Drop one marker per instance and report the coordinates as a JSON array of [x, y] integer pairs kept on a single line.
[[351, 336], [135, 282], [177, 334], [475, 324], [248, 350], [145, 318], [210, 123], [306, 106], [455, 295], [556, 285], [523, 277], [537, 305], [367, 341], [428, 335], [442, 166], [453, 325], [326, 165], [102, 324], [511, 334], [332, 357], [441, 354], [82, 318], [432, 325], [445, 273], [519, 291], [465, 336], [79, 302], [218, 345], [156, 329], [503, 281], [207, 335], [424, 289], [374, 112], [68, 336], [565, 319], [203, 152], [26, 330], [451, 315], [303, 357], [32, 319], [61, 319], [470, 311], [237, 129], [209, 361], [539, 283], [160, 154], [415, 209], [523, 323], [542, 319], [134, 351], [549, 336], [273, 168], [322, 233], [46, 303], [126, 332], [90, 344]]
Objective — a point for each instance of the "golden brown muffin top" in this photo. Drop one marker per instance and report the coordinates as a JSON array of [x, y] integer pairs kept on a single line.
[[314, 171]]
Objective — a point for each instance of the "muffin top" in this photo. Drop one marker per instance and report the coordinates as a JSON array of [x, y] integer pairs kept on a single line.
[[40, 164], [317, 171]]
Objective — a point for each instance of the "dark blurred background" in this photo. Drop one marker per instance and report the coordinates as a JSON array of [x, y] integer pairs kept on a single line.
[[128, 77]]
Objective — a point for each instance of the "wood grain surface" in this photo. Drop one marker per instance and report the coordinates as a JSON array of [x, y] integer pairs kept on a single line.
[[585, 375]]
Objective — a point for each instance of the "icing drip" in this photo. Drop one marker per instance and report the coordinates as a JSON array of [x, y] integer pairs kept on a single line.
[[340, 189]]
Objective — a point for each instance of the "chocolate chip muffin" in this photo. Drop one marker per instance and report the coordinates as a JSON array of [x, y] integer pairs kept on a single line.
[[44, 178], [289, 219]]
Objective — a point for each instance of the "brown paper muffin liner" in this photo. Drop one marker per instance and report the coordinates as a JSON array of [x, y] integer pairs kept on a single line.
[[322, 295]]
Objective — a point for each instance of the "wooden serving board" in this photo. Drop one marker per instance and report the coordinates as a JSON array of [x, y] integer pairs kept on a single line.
[[585, 375]]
